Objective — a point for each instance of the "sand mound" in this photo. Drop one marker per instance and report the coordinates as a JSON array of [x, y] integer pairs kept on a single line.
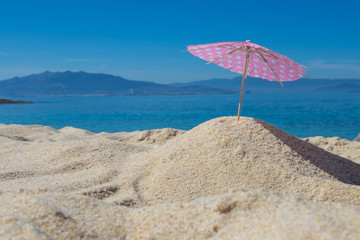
[[26, 133], [224, 154], [70, 159], [243, 215], [155, 136], [151, 167]]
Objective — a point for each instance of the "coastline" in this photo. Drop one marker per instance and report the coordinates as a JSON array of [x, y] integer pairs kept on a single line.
[[7, 101], [222, 178]]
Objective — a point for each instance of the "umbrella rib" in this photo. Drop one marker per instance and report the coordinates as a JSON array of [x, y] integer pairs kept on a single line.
[[225, 55], [207, 47], [286, 62], [274, 56], [199, 48], [269, 54], [228, 45], [293, 70], [264, 60]]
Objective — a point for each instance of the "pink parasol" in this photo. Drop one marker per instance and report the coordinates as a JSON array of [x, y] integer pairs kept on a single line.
[[249, 59]]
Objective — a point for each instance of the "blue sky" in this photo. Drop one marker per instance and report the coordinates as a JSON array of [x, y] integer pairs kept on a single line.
[[142, 40]]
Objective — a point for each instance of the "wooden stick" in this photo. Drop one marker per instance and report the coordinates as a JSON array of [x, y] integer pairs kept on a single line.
[[242, 84]]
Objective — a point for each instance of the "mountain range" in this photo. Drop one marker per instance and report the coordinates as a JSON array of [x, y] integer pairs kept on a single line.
[[52, 84], [261, 85]]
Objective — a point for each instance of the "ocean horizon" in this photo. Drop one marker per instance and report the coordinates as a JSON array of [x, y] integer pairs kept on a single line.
[[308, 114]]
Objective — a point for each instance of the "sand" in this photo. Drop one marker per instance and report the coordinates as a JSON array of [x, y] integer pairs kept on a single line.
[[223, 179], [342, 147]]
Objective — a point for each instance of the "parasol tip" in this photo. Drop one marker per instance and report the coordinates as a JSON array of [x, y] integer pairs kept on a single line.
[[248, 41]]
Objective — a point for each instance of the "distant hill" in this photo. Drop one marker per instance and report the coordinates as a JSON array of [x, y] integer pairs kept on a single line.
[[50, 84], [261, 85]]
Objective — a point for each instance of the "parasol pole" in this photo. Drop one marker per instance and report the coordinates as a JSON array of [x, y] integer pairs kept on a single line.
[[243, 81]]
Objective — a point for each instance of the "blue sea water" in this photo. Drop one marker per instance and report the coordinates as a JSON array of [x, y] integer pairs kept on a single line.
[[300, 114]]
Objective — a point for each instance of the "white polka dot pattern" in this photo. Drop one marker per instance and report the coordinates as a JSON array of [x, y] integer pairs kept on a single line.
[[262, 61]]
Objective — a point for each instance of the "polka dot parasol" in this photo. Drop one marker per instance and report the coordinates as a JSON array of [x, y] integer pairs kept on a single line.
[[249, 59]]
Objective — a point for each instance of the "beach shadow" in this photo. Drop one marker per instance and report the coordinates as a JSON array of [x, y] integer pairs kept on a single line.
[[340, 168], [16, 138]]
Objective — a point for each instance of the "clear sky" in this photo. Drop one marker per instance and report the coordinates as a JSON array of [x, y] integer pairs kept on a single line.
[[142, 40]]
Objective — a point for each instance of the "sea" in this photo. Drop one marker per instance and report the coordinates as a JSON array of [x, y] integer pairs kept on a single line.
[[327, 114]]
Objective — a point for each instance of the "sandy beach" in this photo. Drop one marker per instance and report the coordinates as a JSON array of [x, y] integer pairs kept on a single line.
[[224, 179]]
